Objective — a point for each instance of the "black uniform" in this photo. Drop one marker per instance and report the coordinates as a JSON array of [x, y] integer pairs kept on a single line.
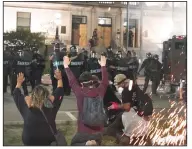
[[155, 75], [147, 74], [22, 63], [121, 66], [6, 68], [133, 66], [38, 66], [77, 65], [57, 63], [94, 67]]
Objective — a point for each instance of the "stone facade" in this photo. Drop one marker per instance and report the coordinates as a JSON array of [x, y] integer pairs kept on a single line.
[[154, 26]]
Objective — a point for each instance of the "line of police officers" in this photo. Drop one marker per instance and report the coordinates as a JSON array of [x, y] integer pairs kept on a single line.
[[32, 64], [116, 64], [21, 59]]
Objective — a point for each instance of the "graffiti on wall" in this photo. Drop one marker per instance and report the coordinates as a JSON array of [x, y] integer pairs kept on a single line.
[[48, 27]]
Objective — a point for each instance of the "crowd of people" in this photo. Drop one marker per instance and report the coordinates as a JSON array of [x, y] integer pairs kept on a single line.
[[94, 80]]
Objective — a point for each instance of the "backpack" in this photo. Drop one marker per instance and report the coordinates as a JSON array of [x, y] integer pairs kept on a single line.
[[144, 103], [152, 67], [93, 113]]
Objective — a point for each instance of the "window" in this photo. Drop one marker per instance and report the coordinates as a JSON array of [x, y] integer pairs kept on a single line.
[[79, 19], [104, 21], [179, 45], [23, 20], [63, 29], [133, 40]]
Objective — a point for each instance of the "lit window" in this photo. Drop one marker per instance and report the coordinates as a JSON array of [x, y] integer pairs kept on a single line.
[[23, 20]]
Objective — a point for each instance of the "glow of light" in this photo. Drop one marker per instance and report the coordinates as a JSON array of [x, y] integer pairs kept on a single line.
[[101, 21], [109, 8], [130, 85], [57, 15]]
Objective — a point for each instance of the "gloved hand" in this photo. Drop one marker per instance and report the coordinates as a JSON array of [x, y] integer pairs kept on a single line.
[[114, 106]]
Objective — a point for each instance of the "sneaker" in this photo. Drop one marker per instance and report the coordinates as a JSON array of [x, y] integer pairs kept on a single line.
[[94, 143], [88, 143], [91, 143]]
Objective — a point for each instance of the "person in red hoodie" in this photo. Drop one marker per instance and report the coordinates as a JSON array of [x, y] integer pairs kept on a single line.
[[86, 86]]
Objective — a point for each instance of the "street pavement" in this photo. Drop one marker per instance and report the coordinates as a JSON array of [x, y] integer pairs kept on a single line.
[[68, 109]]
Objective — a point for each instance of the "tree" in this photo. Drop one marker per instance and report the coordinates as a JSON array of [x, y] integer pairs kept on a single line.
[[25, 36]]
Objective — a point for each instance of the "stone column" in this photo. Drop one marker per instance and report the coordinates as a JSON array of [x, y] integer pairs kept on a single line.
[[121, 24]]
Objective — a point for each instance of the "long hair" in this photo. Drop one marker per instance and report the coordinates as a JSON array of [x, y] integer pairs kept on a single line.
[[39, 95]]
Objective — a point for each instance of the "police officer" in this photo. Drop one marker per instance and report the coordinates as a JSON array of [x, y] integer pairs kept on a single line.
[[133, 65], [110, 54], [85, 53], [38, 66], [91, 42], [56, 62], [93, 65], [121, 64], [95, 37], [22, 63], [155, 73], [147, 74], [77, 64], [6, 67]]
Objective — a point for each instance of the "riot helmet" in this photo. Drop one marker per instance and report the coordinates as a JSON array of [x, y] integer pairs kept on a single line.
[[34, 50], [134, 54], [85, 52], [156, 57], [93, 54], [57, 47], [119, 54], [73, 50], [129, 54], [149, 55], [104, 54], [20, 53], [64, 49], [109, 49]]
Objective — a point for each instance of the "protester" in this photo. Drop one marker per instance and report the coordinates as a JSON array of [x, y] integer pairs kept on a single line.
[[36, 110], [135, 117], [90, 106]]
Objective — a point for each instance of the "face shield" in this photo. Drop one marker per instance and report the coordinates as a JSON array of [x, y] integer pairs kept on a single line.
[[21, 53], [148, 55], [119, 55], [73, 51], [93, 55]]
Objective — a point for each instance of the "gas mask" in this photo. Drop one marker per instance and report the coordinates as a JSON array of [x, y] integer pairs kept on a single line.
[[119, 55], [21, 53], [120, 90], [73, 51], [93, 55]]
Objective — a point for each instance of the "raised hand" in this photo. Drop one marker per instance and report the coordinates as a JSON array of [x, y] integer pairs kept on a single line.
[[20, 78], [66, 61], [103, 60], [58, 74]]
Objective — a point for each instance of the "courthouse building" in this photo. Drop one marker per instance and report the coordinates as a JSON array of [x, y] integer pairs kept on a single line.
[[150, 23]]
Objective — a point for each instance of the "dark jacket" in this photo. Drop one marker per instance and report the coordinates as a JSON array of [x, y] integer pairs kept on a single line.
[[93, 92], [36, 131]]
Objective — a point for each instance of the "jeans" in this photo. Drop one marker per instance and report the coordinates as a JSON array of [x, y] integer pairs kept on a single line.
[[134, 124]]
